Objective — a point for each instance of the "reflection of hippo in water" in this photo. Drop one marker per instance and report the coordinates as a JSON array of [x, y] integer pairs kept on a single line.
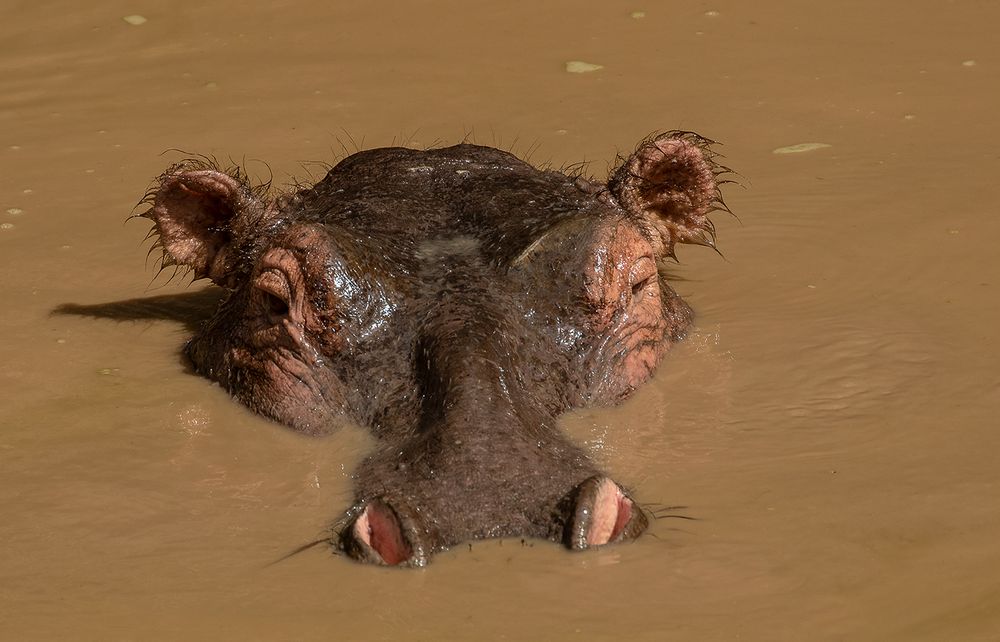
[[455, 301]]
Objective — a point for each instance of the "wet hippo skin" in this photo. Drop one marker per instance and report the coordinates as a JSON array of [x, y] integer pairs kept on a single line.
[[455, 301]]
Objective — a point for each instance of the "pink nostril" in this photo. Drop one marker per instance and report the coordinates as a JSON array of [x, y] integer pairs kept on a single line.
[[603, 514], [378, 528], [624, 516], [611, 511]]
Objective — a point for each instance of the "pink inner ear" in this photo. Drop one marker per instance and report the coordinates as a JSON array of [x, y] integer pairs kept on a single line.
[[672, 181], [379, 528], [678, 179], [192, 211]]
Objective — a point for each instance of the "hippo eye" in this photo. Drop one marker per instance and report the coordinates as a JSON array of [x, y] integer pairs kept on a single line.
[[275, 306], [642, 275], [641, 285], [273, 293]]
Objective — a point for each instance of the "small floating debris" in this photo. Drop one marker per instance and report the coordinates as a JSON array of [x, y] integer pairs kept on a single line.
[[638, 15], [712, 14], [15, 211], [800, 148], [6, 226], [135, 20], [580, 67], [108, 371], [968, 63]]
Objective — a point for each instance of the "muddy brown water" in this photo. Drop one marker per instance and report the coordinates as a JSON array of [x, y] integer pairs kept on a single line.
[[832, 421]]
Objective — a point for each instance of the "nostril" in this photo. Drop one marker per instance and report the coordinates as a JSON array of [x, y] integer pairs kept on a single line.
[[381, 535], [380, 530], [623, 517], [602, 514], [606, 515]]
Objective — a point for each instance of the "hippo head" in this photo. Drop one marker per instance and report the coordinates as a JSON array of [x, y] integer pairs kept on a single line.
[[454, 301]]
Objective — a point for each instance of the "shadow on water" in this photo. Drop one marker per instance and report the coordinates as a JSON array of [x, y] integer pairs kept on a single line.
[[188, 308]]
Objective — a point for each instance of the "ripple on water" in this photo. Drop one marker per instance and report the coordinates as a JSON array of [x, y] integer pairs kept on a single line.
[[808, 386], [676, 416], [854, 369]]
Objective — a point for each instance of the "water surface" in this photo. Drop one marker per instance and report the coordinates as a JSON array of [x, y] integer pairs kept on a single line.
[[831, 421]]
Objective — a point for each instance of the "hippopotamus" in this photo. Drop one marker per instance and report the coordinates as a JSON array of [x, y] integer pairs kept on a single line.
[[455, 302]]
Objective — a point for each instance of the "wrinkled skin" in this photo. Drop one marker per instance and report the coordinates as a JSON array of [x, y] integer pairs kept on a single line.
[[455, 301]]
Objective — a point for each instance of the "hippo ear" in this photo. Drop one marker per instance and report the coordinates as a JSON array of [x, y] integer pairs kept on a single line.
[[672, 182], [196, 211]]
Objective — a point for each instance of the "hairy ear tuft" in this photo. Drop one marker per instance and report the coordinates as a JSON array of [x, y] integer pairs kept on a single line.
[[195, 209], [672, 182]]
